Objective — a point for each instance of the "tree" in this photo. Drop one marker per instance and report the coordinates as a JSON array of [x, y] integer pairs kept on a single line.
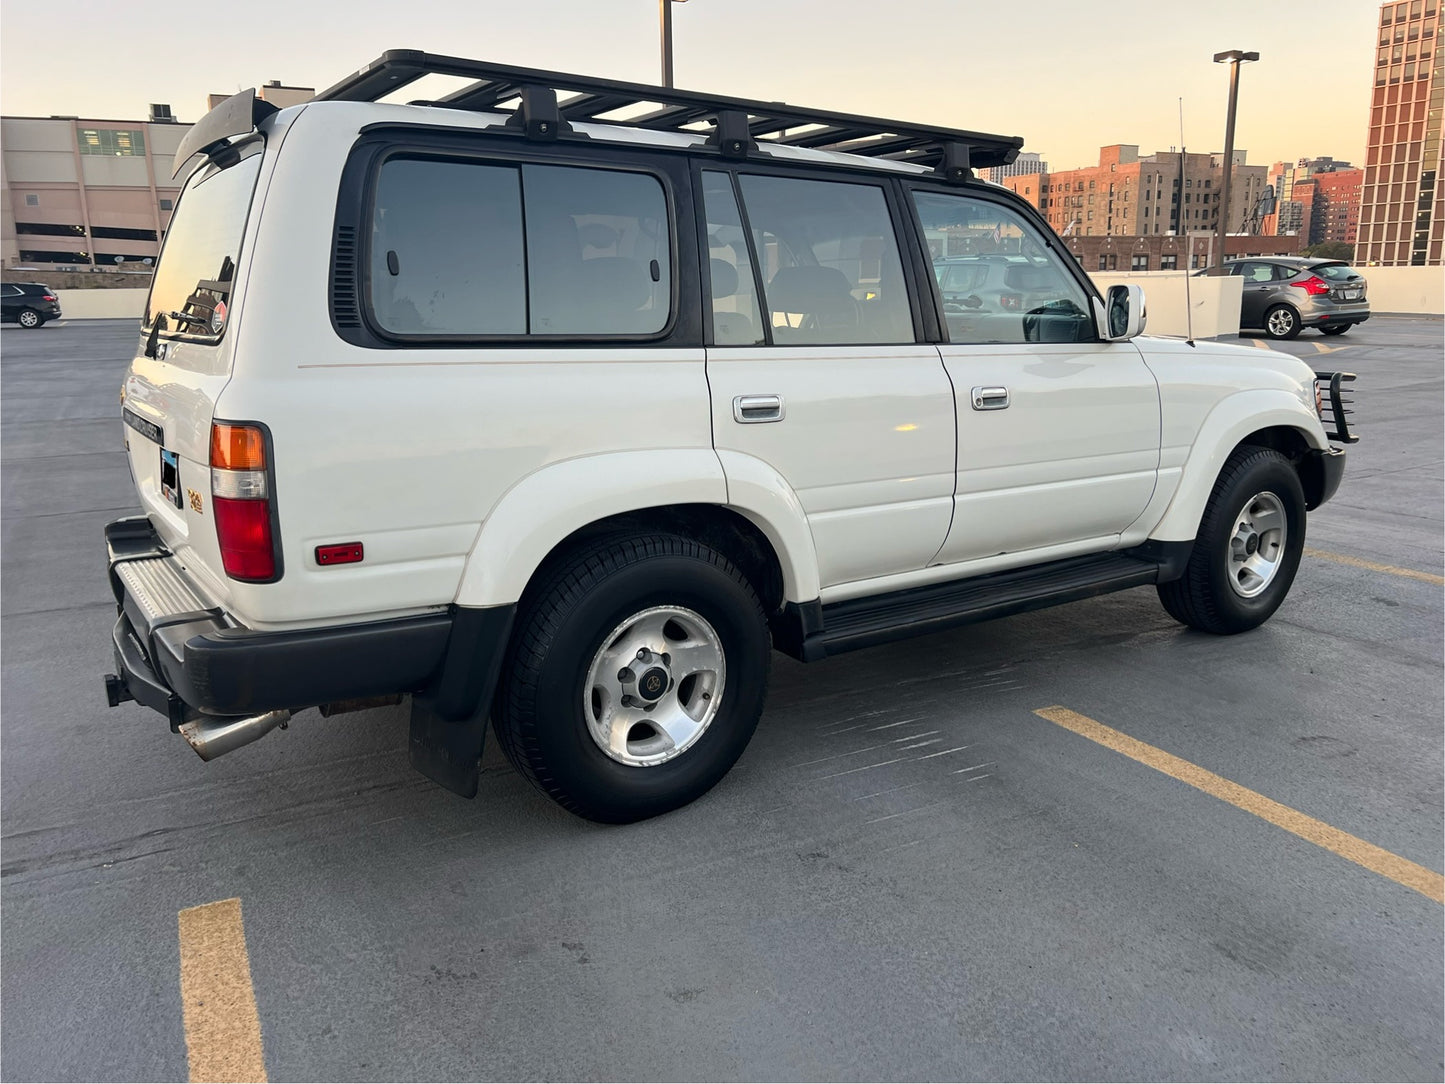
[[1330, 250]]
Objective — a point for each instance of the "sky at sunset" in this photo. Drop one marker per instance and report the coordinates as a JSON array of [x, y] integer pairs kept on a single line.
[[1067, 76]]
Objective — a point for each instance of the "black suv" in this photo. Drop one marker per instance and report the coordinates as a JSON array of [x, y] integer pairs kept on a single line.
[[29, 304]]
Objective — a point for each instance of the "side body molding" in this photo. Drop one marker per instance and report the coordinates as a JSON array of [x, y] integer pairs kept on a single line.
[[1231, 420], [547, 506]]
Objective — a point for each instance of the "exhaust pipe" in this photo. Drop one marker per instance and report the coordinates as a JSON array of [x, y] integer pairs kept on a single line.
[[210, 736]]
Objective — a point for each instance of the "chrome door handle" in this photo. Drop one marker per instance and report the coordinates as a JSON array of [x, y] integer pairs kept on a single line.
[[990, 398], [750, 409]]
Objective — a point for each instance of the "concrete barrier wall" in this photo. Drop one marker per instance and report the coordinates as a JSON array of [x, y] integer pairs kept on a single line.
[[102, 304], [1215, 302], [1406, 289]]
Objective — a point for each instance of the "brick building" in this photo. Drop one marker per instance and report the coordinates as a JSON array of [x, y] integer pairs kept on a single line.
[[1402, 202], [1129, 195], [1336, 210]]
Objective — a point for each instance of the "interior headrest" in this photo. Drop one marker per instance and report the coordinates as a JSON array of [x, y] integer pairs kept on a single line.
[[724, 278], [808, 288]]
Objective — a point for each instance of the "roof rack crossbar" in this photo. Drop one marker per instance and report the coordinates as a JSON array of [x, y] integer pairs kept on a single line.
[[584, 98]]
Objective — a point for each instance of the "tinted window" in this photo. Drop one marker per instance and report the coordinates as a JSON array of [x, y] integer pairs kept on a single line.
[[829, 260], [1002, 284], [446, 249], [735, 312], [1335, 272], [464, 248], [598, 254], [198, 262]]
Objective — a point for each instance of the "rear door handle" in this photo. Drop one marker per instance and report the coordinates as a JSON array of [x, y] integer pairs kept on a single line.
[[750, 409], [990, 398]]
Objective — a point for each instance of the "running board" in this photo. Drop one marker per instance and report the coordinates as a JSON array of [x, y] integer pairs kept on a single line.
[[880, 619]]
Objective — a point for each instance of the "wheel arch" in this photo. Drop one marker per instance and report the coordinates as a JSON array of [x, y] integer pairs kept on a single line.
[[754, 519], [1265, 418]]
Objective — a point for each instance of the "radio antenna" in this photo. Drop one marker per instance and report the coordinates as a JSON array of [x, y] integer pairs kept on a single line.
[[1184, 233]]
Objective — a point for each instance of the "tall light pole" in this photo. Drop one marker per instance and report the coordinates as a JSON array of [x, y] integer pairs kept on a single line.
[[664, 14], [1234, 58]]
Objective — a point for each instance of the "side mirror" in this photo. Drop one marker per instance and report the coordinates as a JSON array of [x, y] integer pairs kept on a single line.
[[1123, 316]]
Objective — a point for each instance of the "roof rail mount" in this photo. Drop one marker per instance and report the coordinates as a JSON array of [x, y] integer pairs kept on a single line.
[[738, 125]]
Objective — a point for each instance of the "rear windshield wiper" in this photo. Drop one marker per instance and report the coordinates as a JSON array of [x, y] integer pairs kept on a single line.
[[187, 318]]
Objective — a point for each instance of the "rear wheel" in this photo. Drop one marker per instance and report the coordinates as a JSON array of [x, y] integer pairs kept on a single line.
[[1248, 547], [1281, 322], [635, 678], [29, 318], [1336, 329]]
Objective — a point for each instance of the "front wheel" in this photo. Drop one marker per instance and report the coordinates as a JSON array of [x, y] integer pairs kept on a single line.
[[635, 678], [29, 318], [1248, 547], [1281, 322]]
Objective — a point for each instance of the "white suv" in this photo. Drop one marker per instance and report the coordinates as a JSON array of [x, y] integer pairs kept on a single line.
[[566, 421]]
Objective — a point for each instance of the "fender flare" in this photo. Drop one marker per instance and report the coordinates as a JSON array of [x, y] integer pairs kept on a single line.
[[543, 509], [1231, 420]]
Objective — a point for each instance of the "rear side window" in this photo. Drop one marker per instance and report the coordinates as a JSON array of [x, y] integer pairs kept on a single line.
[[471, 249], [198, 263]]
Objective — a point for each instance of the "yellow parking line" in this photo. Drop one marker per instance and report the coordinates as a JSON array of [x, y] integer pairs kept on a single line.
[[1360, 562], [223, 1030], [1375, 859]]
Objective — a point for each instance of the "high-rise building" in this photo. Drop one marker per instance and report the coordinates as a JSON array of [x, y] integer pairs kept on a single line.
[[1026, 162], [1129, 195], [1336, 212], [93, 194], [1402, 204]]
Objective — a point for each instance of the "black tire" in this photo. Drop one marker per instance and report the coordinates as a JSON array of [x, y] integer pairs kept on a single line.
[[29, 318], [1204, 597], [1281, 322], [539, 717], [1336, 329]]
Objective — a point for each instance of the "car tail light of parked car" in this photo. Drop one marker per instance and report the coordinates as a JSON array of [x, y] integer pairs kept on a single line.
[[241, 499], [1314, 286]]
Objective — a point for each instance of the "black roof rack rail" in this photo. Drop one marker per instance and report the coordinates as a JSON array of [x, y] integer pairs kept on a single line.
[[738, 124]]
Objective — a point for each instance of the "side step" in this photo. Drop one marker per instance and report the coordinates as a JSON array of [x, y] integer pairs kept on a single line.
[[880, 619]]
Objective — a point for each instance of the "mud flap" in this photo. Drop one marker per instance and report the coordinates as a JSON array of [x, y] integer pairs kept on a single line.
[[449, 718]]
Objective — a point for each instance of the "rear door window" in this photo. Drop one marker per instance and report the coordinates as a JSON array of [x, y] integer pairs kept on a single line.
[[198, 262], [465, 249]]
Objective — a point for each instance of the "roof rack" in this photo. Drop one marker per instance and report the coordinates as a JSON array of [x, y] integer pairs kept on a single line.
[[737, 125]]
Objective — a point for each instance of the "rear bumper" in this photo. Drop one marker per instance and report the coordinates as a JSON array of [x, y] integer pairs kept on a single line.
[[185, 659], [1336, 315]]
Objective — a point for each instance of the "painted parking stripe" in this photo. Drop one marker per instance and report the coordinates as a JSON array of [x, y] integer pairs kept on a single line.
[[223, 1030], [1360, 562], [1375, 859]]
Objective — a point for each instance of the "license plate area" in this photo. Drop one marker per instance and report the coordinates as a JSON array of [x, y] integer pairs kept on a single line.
[[1353, 294], [171, 477]]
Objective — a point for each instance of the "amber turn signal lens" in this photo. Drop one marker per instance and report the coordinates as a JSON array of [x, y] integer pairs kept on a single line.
[[237, 447]]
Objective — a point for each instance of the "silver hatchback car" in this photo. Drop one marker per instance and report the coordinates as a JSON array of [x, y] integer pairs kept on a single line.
[[1285, 294]]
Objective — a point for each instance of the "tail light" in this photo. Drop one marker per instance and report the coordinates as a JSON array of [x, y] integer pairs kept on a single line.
[[1314, 286], [47, 297], [241, 502]]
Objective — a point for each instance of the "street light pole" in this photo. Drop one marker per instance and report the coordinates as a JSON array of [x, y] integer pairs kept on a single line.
[[1233, 58], [664, 15]]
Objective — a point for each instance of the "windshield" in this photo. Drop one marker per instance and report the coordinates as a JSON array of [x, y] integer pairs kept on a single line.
[[1335, 271], [198, 262]]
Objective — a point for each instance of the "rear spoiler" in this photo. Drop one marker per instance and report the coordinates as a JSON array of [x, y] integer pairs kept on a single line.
[[238, 115]]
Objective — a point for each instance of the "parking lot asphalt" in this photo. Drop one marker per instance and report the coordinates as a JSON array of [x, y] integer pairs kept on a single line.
[[911, 874]]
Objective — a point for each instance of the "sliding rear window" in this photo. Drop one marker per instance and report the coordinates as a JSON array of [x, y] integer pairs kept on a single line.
[[198, 262]]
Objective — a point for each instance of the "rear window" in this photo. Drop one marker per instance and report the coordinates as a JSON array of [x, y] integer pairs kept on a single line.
[[198, 262], [1336, 272]]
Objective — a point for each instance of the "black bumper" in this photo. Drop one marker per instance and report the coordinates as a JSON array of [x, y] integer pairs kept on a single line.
[[186, 660], [1321, 473]]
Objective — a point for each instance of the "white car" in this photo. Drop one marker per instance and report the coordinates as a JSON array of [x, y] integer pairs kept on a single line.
[[531, 414]]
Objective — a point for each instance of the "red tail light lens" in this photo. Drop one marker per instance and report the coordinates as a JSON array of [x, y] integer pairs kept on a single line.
[[1314, 286], [243, 527], [47, 297], [241, 502]]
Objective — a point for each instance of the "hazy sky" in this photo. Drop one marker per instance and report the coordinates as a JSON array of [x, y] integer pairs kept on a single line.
[[1067, 75]]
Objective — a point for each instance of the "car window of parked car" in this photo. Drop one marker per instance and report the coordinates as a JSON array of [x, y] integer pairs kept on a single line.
[[998, 281], [1336, 272], [829, 259], [736, 316], [476, 249]]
